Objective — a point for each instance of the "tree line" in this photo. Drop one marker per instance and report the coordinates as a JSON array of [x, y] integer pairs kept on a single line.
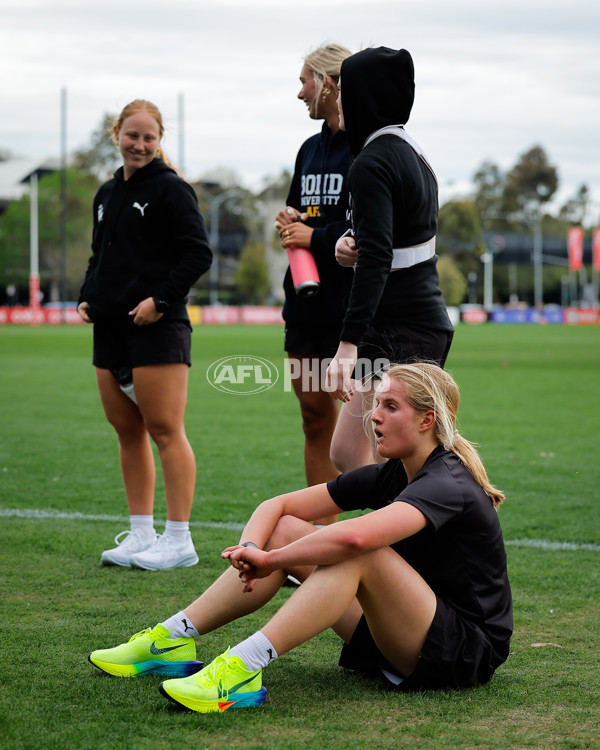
[[510, 201]]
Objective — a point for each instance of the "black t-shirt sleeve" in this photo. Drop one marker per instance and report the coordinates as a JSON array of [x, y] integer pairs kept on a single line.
[[355, 490], [372, 486]]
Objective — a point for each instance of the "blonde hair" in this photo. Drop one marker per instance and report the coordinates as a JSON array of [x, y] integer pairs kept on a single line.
[[324, 61], [428, 387], [143, 105]]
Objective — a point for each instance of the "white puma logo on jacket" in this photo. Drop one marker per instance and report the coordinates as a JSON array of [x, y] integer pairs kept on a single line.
[[141, 208]]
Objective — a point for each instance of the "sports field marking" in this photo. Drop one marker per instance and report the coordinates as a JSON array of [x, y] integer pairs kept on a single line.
[[57, 515], [545, 544]]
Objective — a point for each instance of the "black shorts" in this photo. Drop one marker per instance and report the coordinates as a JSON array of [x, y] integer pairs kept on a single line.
[[456, 654], [312, 342], [401, 344], [120, 344]]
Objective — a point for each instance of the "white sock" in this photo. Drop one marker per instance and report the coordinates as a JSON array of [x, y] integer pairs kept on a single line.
[[177, 530], [256, 652], [144, 525], [180, 626]]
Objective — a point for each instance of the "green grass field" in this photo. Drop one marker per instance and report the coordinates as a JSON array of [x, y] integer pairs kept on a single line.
[[530, 399]]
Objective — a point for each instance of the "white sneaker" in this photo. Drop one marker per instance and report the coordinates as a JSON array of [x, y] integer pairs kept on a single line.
[[133, 542], [166, 553]]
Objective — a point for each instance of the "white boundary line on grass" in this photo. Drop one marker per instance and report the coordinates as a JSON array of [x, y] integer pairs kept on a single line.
[[58, 515], [545, 544]]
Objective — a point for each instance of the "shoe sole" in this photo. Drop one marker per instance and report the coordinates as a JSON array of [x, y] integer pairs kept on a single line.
[[166, 669], [187, 562], [234, 700], [110, 562]]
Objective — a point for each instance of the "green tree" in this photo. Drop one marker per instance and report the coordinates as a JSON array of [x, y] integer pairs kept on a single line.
[[553, 226], [489, 187], [102, 156], [529, 184], [15, 233], [576, 208], [452, 281], [459, 235], [15, 243], [252, 275], [459, 227]]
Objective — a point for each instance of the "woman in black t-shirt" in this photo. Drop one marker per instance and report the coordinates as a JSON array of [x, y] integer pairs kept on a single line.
[[417, 589]]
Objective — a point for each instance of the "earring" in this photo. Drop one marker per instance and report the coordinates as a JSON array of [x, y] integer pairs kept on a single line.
[[326, 93]]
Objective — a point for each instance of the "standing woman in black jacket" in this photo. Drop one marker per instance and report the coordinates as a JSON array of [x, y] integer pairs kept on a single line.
[[396, 312], [314, 218], [149, 246]]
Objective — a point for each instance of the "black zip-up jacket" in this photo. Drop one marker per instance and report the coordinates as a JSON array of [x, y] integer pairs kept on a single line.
[[393, 200], [320, 188], [149, 240]]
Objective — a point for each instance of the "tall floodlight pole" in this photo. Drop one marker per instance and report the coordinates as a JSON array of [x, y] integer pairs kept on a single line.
[[63, 202], [34, 255], [488, 284], [538, 281]]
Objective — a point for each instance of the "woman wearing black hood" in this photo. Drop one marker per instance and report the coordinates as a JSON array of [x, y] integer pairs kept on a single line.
[[396, 312]]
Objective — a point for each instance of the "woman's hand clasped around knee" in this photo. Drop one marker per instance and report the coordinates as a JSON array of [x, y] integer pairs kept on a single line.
[[250, 562]]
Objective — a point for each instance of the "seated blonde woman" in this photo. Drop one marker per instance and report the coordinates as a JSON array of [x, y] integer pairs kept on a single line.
[[417, 589]]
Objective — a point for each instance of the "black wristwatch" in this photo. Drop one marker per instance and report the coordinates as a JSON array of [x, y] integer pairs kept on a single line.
[[161, 305]]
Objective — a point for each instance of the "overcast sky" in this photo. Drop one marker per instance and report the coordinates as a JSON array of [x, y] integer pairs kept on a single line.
[[493, 78]]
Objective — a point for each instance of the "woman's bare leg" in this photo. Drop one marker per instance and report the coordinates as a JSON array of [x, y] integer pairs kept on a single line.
[[135, 450], [397, 602], [319, 416], [161, 392], [351, 446], [225, 601]]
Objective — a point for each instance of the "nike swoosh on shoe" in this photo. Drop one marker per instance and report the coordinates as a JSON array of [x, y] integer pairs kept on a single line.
[[222, 693], [154, 650]]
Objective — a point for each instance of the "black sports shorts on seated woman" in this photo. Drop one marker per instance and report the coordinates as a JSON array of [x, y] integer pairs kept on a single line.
[[119, 343], [456, 654]]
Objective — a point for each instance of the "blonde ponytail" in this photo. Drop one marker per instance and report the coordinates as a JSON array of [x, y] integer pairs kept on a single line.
[[428, 387]]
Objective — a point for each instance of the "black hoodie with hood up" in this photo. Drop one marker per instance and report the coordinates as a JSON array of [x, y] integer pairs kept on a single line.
[[393, 200]]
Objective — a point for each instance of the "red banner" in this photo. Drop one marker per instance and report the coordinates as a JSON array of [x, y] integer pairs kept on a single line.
[[596, 249], [38, 315], [575, 247]]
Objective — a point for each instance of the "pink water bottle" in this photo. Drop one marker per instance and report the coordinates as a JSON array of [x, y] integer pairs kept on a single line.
[[305, 275]]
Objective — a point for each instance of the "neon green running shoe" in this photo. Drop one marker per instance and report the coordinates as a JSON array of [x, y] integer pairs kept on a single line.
[[150, 651], [225, 683]]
